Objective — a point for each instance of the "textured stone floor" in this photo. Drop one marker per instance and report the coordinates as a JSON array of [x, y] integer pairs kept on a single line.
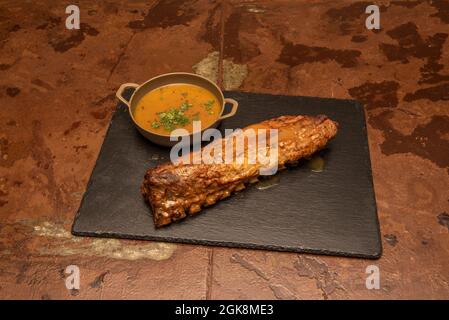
[[57, 91]]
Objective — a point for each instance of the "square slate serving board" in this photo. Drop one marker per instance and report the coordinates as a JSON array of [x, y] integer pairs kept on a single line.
[[330, 212]]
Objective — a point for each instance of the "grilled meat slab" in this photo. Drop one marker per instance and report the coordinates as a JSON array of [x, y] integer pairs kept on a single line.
[[175, 190]]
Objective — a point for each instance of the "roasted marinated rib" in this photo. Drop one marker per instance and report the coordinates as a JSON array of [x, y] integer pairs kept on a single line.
[[175, 190]]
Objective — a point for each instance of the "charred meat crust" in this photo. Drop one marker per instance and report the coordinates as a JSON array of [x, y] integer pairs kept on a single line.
[[177, 190]]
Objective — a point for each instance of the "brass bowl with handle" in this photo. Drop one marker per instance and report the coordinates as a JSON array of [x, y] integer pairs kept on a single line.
[[173, 78]]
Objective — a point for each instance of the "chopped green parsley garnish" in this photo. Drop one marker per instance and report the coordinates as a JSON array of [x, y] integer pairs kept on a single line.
[[209, 104], [171, 119], [155, 125], [175, 117], [185, 105]]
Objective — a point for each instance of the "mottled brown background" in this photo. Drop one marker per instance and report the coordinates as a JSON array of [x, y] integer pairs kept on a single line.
[[57, 95]]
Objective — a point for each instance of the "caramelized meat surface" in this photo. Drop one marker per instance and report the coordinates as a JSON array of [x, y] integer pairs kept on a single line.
[[175, 190]]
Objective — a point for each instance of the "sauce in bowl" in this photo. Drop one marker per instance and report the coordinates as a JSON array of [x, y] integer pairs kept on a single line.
[[175, 106]]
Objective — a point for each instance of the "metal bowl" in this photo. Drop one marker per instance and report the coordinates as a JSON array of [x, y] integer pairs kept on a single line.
[[172, 78]]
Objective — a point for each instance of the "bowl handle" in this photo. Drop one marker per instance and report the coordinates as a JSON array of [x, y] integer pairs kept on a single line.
[[235, 105], [122, 88]]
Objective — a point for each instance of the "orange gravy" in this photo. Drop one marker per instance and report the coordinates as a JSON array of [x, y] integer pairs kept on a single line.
[[175, 106]]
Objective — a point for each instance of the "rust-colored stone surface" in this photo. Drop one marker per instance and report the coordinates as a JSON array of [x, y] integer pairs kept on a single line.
[[57, 93]]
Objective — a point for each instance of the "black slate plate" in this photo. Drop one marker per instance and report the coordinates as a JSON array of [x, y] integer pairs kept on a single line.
[[329, 212]]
